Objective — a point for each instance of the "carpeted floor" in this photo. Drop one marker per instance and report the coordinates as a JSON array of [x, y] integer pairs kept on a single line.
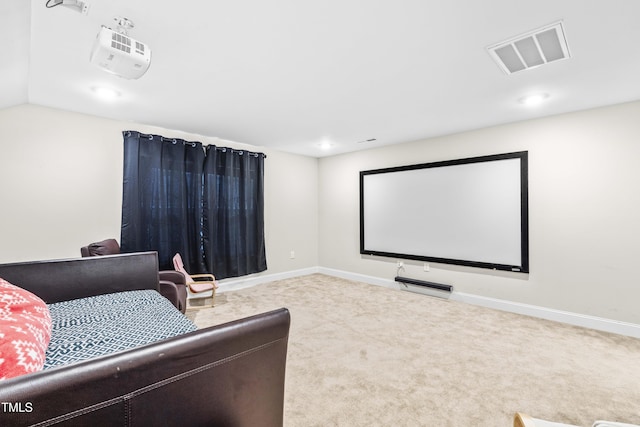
[[364, 355]]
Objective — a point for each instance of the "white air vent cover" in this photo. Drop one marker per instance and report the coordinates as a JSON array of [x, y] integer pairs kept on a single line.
[[119, 54], [537, 47]]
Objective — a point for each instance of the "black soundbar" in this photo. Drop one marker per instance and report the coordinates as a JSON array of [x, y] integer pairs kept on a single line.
[[439, 286]]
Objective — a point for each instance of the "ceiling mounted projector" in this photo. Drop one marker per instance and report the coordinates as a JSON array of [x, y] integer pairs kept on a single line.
[[78, 5], [119, 54]]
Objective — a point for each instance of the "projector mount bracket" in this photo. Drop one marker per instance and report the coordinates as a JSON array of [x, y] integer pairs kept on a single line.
[[123, 24]]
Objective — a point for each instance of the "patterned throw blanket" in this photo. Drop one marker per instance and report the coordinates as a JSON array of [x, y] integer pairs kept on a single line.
[[104, 324]]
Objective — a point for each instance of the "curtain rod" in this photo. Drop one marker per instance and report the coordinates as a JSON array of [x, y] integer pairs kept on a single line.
[[234, 150], [193, 144]]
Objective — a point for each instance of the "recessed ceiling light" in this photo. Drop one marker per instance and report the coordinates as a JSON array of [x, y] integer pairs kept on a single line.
[[326, 145], [105, 93], [534, 99]]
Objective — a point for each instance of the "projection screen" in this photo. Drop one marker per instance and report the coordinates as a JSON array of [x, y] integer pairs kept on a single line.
[[471, 212]]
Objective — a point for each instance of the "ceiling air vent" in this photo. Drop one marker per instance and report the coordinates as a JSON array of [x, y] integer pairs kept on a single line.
[[537, 47]]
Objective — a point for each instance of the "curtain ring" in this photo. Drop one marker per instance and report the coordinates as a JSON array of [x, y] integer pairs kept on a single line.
[[193, 144], [174, 142]]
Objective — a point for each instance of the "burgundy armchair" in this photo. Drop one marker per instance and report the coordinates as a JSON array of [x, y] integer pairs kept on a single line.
[[172, 284], [105, 247]]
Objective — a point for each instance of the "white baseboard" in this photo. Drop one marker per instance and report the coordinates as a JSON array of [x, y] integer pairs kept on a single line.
[[236, 283], [576, 319], [358, 277]]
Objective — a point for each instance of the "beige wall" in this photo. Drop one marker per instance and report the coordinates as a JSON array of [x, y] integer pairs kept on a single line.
[[584, 211], [61, 176]]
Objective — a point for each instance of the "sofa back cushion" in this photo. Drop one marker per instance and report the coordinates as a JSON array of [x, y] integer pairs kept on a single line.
[[66, 279], [105, 247]]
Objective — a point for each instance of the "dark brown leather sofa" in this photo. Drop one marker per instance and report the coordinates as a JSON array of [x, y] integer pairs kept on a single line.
[[227, 375]]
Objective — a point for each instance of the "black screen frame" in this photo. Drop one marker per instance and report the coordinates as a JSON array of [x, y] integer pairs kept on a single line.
[[524, 215]]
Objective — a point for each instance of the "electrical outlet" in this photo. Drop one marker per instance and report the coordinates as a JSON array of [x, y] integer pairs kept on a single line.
[[400, 264], [292, 255], [426, 267]]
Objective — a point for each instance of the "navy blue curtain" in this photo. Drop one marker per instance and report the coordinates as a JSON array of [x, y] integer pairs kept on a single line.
[[233, 220], [162, 198], [206, 205]]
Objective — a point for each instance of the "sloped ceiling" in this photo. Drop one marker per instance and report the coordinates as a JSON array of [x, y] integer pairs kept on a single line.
[[291, 75], [15, 41]]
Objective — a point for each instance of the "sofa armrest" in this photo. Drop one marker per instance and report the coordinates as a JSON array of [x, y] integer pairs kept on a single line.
[[230, 374], [176, 293], [172, 276], [67, 279], [179, 287], [169, 290]]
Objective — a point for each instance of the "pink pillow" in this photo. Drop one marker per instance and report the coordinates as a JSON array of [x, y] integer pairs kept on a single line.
[[25, 331]]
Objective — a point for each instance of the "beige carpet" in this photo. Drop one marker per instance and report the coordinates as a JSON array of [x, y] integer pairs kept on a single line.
[[364, 355]]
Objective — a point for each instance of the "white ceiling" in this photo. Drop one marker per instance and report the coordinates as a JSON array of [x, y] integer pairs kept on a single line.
[[289, 75]]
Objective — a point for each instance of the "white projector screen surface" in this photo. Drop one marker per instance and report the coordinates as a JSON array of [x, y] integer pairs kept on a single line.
[[468, 212]]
